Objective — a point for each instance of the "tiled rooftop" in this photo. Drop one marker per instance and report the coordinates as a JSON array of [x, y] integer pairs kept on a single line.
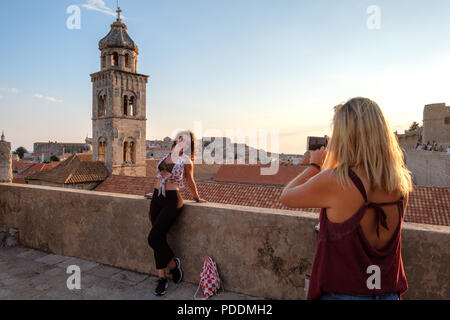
[[77, 169], [243, 173], [18, 166], [428, 205], [38, 167]]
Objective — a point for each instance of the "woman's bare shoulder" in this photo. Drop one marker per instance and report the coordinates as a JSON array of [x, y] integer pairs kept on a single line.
[[329, 179]]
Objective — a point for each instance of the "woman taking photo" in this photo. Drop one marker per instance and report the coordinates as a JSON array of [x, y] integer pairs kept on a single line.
[[361, 184], [167, 204]]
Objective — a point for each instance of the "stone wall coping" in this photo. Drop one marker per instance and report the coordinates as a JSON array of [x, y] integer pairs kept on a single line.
[[268, 211]]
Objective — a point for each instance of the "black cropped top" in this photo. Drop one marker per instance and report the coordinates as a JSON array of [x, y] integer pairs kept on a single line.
[[166, 166]]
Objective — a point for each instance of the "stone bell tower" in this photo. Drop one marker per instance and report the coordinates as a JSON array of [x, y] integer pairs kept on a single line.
[[119, 105], [5, 160]]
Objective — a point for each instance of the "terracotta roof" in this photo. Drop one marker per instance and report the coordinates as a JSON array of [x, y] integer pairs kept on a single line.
[[428, 205], [127, 185], [243, 173], [38, 167], [79, 168], [18, 166]]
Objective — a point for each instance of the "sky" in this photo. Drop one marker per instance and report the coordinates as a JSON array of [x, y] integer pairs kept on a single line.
[[231, 64]]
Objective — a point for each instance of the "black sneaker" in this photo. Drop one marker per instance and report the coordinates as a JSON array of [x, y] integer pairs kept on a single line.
[[162, 286], [177, 272]]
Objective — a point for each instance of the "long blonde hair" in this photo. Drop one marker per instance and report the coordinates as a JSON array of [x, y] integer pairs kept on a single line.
[[363, 138]]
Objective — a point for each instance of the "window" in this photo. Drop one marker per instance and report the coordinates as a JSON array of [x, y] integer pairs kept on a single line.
[[101, 105], [129, 151], [127, 60], [115, 59], [103, 61], [132, 107], [101, 149], [125, 105], [447, 120]]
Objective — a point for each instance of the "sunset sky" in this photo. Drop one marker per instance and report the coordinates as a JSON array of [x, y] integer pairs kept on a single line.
[[229, 63]]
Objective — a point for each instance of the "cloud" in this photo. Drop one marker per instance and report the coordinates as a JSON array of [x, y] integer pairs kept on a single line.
[[51, 99], [100, 6], [1, 96]]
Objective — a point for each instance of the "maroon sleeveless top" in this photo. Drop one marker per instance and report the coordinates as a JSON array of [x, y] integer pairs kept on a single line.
[[343, 254]]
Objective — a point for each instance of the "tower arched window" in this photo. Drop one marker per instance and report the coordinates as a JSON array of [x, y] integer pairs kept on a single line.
[[127, 60], [102, 105], [101, 149], [125, 152], [125, 105], [115, 59], [129, 151], [103, 61], [132, 106]]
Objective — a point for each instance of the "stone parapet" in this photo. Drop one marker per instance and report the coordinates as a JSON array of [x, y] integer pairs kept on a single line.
[[260, 252]]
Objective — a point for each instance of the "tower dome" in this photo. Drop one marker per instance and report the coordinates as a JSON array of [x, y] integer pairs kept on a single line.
[[118, 36]]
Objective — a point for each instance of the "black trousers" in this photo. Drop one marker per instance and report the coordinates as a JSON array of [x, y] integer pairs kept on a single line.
[[163, 214]]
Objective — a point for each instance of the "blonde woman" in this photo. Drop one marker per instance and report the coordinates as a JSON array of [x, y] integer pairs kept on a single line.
[[362, 185]]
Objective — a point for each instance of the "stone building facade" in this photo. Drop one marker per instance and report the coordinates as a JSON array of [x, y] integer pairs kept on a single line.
[[59, 149], [436, 123], [119, 105], [429, 168], [5, 160]]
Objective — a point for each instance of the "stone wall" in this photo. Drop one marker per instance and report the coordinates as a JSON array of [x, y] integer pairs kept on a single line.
[[9, 237], [429, 168], [261, 252]]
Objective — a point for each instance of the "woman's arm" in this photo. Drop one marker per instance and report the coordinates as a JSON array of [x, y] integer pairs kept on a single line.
[[189, 176], [310, 189]]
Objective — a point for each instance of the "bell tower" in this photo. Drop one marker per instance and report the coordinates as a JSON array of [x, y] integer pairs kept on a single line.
[[119, 105]]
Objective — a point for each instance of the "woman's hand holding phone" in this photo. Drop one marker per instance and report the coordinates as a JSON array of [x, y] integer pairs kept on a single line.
[[318, 156]]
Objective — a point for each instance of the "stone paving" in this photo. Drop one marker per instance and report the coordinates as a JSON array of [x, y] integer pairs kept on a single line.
[[30, 274]]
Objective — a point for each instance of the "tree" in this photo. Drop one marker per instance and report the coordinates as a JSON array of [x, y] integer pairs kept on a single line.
[[54, 158], [414, 126], [21, 151]]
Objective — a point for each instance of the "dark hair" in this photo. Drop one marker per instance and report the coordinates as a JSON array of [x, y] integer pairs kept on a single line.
[[192, 137]]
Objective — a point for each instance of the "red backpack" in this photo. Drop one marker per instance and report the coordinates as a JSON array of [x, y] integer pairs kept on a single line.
[[209, 279]]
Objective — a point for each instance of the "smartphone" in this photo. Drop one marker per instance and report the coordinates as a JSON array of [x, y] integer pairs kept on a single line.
[[315, 143]]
